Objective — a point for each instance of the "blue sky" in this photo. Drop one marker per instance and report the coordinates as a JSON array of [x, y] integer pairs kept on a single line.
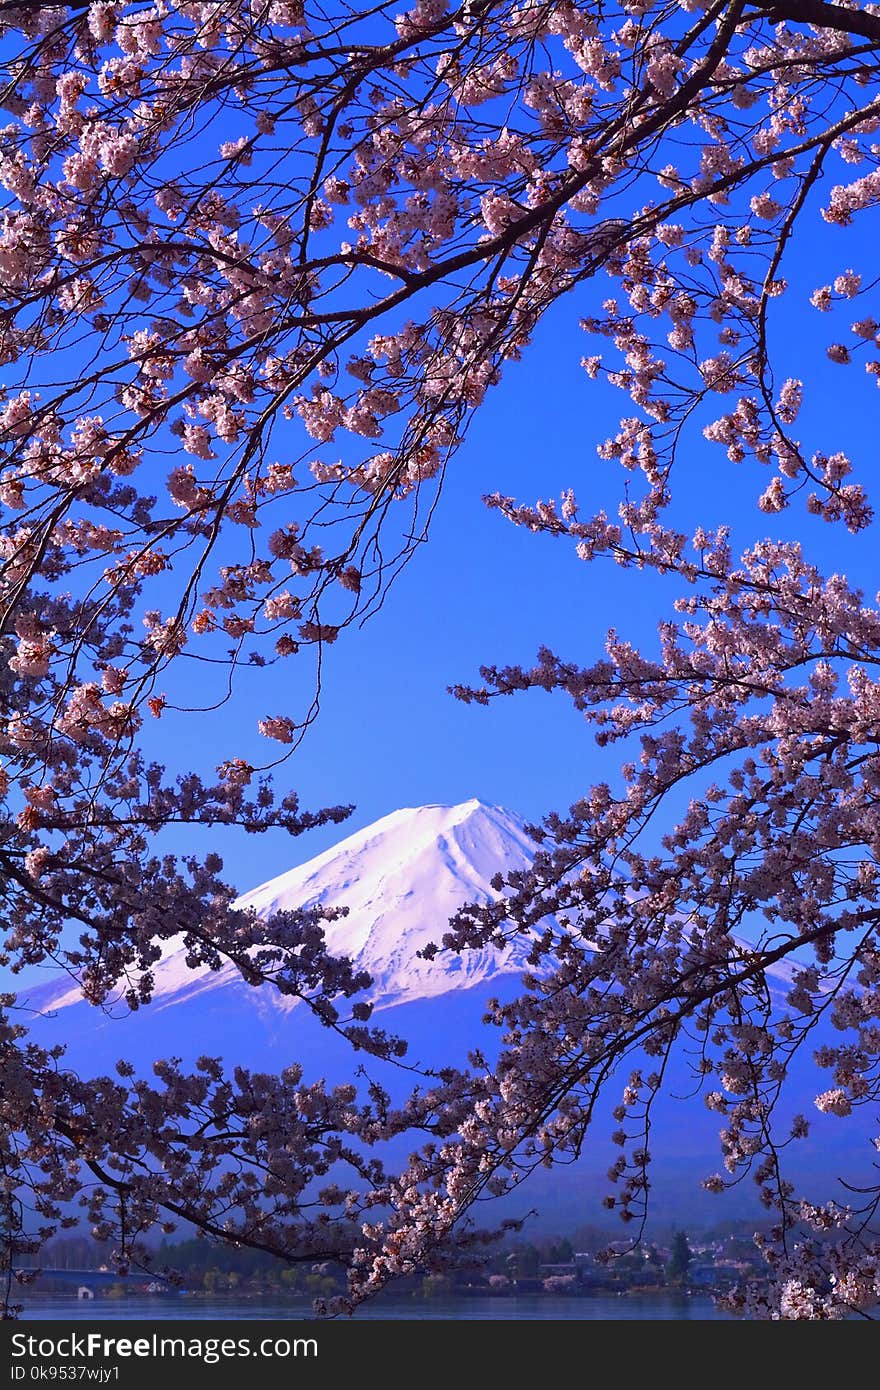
[[388, 735]]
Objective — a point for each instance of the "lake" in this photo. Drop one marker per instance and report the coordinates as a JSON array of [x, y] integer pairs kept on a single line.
[[599, 1307]]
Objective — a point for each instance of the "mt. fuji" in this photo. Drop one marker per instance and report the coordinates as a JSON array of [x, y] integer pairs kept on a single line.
[[401, 879]]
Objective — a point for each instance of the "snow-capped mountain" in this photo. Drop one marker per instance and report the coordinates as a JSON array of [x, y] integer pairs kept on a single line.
[[401, 879]]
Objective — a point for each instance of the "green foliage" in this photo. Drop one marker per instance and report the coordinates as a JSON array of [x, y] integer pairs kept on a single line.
[[680, 1259]]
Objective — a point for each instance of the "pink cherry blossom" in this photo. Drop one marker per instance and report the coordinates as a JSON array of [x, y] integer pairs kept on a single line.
[[259, 266]]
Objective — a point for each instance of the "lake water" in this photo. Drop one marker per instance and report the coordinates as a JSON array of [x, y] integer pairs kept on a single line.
[[600, 1307]]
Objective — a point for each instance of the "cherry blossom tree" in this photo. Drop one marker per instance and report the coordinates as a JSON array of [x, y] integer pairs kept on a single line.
[[260, 262]]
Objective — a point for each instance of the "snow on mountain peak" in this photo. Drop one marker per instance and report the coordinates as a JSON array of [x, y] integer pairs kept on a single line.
[[401, 879]]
